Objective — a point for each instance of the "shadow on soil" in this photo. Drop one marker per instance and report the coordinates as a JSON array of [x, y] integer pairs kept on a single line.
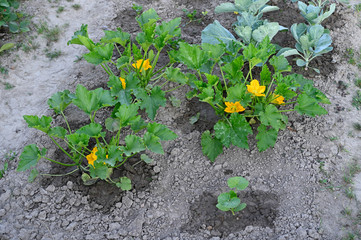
[[261, 211]]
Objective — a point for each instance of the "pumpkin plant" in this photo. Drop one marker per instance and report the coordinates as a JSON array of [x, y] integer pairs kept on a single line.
[[135, 75], [244, 103], [87, 148]]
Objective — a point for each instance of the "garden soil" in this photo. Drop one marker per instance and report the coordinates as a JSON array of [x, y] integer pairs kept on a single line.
[[297, 189]]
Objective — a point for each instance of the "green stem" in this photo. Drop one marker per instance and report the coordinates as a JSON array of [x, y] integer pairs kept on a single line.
[[164, 84], [62, 149], [105, 142], [289, 110], [66, 121], [224, 80], [200, 75], [105, 69], [59, 175], [291, 102], [269, 87], [64, 164], [117, 49], [174, 88], [158, 77]]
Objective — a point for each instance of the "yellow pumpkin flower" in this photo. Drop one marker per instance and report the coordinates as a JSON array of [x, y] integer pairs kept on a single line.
[[145, 65], [124, 84], [235, 12], [278, 99], [92, 157], [256, 89], [233, 107]]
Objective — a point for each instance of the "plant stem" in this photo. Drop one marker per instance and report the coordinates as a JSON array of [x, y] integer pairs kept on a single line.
[[66, 121], [59, 175], [269, 87], [224, 80], [289, 110], [64, 164], [174, 88], [62, 149], [105, 69], [164, 84]]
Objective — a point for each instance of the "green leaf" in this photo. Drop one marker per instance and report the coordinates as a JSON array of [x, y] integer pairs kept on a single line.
[[112, 124], [309, 106], [269, 29], [215, 33], [225, 7], [126, 113], [161, 131], [82, 32], [169, 28], [175, 75], [238, 93], [211, 147], [280, 64], [30, 157], [266, 137], [227, 201], [137, 123], [192, 55], [149, 16], [124, 183], [240, 207], [113, 152], [222, 130], [33, 174], [233, 69], [152, 102], [42, 124], [152, 142], [240, 130], [215, 51], [90, 101], [59, 101], [239, 183], [134, 144], [265, 76], [6, 46], [87, 180], [99, 170], [194, 119], [100, 54], [146, 158], [271, 117], [316, 94], [58, 132], [284, 90], [118, 36], [76, 139], [92, 130]]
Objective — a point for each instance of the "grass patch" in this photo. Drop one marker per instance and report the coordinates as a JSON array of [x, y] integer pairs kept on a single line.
[[76, 6], [50, 34], [60, 9], [356, 100], [52, 54]]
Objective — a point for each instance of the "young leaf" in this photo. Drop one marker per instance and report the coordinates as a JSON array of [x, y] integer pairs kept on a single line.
[[265, 76], [152, 142], [269, 29], [146, 158], [161, 131], [112, 124], [134, 144], [227, 201], [239, 183], [98, 170], [124, 183], [240, 207], [86, 100], [309, 106], [126, 113], [271, 117], [76, 139], [109, 156], [266, 137], [59, 101], [280, 64], [118, 36], [100, 54], [58, 132], [92, 130], [30, 157], [240, 130], [192, 55], [222, 130], [238, 93], [33, 174], [152, 102], [82, 32], [211, 147], [42, 124], [175, 75]]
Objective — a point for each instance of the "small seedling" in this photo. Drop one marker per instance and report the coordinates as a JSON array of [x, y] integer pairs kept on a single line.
[[349, 193], [350, 55], [60, 9], [7, 158], [4, 70], [333, 139], [137, 8], [52, 54], [51, 34], [358, 7], [358, 83], [194, 119], [356, 100], [8, 86], [192, 16], [228, 201], [76, 6], [357, 126], [175, 101]]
